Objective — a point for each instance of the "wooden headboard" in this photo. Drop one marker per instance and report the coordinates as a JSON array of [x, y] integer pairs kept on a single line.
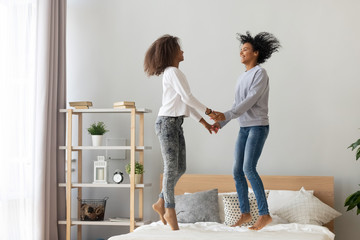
[[323, 186]]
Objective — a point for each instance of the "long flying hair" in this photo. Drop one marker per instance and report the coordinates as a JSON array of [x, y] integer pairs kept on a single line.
[[264, 42], [161, 55]]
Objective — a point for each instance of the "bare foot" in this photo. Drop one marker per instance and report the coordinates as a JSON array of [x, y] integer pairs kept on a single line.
[[244, 218], [159, 207], [261, 222], [170, 217]]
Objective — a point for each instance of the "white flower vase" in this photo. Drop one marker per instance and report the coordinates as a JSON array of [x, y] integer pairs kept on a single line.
[[97, 140], [138, 178]]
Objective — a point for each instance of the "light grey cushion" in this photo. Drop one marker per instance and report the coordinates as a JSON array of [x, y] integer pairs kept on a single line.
[[305, 208], [198, 207], [278, 198]]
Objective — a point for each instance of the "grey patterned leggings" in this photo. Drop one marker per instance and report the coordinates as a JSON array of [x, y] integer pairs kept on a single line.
[[172, 142]]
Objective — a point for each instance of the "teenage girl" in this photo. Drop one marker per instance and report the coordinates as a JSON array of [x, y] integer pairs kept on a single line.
[[164, 57], [251, 109]]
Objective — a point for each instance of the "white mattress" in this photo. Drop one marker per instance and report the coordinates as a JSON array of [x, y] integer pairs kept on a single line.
[[216, 231]]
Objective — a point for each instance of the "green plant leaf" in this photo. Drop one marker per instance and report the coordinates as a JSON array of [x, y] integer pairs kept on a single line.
[[351, 206], [353, 200], [357, 200], [139, 168], [354, 145], [98, 128], [349, 199], [358, 153]]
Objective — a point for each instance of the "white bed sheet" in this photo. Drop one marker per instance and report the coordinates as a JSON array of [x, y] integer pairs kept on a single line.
[[216, 231]]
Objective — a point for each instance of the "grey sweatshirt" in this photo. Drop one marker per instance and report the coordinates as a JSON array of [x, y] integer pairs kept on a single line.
[[251, 99]]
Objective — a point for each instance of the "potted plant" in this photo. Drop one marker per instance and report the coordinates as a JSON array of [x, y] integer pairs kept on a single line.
[[353, 200], [97, 130], [139, 170]]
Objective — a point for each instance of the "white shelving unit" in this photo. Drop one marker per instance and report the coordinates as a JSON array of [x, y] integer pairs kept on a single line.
[[132, 222]]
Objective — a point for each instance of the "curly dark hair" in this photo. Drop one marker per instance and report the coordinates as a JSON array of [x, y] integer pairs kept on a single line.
[[161, 55], [264, 42]]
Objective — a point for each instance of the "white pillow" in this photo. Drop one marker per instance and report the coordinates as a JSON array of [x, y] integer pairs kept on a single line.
[[232, 208], [278, 198], [305, 208], [277, 220]]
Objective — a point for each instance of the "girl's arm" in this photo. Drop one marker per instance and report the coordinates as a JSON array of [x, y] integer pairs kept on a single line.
[[256, 91], [182, 87]]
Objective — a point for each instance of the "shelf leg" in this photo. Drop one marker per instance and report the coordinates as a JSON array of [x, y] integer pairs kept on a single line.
[[132, 173], [79, 167], [141, 160], [68, 174]]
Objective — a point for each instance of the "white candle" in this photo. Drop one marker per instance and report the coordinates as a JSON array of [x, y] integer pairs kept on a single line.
[[100, 174]]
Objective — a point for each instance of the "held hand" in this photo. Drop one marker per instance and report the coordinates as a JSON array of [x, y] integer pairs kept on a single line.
[[209, 128], [219, 116], [212, 115], [206, 125], [215, 127]]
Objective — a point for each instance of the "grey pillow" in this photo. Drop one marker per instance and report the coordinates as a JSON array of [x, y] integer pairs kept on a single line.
[[198, 207]]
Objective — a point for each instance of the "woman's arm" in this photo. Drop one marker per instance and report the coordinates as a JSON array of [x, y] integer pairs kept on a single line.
[[195, 115], [220, 119], [181, 86], [256, 91]]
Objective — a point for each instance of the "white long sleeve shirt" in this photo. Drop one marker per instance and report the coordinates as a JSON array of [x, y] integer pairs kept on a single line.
[[251, 99], [177, 99]]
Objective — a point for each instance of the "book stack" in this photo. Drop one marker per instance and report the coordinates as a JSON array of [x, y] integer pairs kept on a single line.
[[81, 105], [124, 105]]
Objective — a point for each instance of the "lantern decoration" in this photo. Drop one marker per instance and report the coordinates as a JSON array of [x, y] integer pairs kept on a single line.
[[100, 170]]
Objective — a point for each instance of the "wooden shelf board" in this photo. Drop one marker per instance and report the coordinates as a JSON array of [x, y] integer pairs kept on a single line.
[[109, 185], [104, 223], [107, 110], [138, 148]]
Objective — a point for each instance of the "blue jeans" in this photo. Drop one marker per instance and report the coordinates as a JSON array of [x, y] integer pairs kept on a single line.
[[248, 149], [172, 143]]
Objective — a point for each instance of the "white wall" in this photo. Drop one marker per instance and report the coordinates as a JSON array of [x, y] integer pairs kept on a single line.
[[314, 81]]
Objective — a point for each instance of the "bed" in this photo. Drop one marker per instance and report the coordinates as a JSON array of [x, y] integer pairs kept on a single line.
[[286, 199]]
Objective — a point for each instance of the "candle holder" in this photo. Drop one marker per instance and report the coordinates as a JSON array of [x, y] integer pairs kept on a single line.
[[100, 170]]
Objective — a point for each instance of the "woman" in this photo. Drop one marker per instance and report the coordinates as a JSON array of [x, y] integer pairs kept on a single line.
[[251, 109], [164, 56]]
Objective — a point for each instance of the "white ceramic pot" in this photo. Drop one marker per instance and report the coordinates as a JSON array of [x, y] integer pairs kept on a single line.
[[97, 140], [138, 178]]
